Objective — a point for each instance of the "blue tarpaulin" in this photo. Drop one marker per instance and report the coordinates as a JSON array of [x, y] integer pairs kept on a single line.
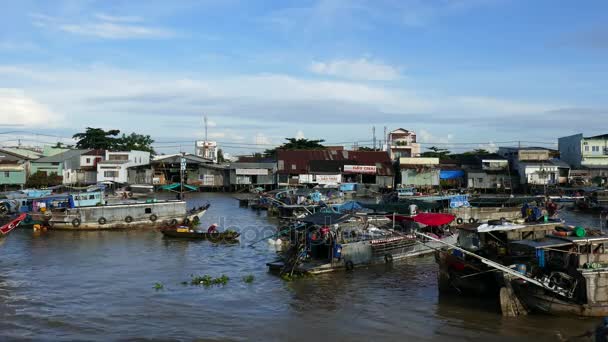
[[451, 174]]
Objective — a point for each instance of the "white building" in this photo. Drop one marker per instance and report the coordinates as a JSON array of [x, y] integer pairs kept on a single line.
[[86, 171], [402, 144], [206, 149], [114, 167]]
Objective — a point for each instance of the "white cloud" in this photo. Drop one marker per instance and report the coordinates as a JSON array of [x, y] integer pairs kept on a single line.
[[120, 19], [300, 135], [17, 108], [103, 26], [262, 139], [358, 69]]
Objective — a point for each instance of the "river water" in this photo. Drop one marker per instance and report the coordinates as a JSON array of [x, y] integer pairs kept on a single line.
[[63, 285]]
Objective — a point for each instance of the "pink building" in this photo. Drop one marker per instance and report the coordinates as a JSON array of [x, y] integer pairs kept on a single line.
[[402, 143]]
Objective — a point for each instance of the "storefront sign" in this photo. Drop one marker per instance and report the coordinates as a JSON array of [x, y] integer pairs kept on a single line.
[[360, 169], [328, 179], [252, 172]]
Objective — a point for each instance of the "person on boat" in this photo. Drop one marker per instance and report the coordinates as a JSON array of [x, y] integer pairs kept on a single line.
[[212, 229], [551, 208], [413, 209]]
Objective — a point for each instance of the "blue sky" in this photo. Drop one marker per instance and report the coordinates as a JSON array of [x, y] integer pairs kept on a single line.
[[483, 71]]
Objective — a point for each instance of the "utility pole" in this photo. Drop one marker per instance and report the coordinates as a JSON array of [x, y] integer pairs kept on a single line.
[[385, 137], [374, 136], [205, 120]]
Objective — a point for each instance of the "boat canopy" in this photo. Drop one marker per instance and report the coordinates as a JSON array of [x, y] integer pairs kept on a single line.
[[548, 242], [176, 186], [322, 219]]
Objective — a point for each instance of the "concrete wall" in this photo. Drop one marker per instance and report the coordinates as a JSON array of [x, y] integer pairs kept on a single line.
[[484, 180]]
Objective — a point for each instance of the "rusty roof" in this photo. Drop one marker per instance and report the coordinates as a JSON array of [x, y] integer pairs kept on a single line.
[[298, 161]]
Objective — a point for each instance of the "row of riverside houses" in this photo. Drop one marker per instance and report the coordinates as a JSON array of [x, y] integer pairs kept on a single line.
[[579, 160]]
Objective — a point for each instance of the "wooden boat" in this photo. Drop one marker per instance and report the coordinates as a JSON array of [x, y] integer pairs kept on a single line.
[[328, 242], [11, 225], [188, 233]]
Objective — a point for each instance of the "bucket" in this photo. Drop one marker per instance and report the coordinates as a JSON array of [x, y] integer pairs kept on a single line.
[[579, 232], [521, 268]]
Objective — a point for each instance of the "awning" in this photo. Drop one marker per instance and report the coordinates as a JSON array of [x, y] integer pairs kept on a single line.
[[176, 186], [484, 228], [548, 242], [321, 219], [451, 174], [427, 219]]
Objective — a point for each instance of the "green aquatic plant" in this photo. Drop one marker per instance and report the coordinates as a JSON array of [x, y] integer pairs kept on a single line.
[[159, 286], [207, 280], [248, 279]]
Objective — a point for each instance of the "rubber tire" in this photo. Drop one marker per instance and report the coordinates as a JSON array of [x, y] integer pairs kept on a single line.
[[186, 221], [349, 266], [459, 220], [102, 221], [76, 222], [173, 222], [153, 218], [130, 194], [388, 258], [472, 220], [196, 220], [503, 219], [128, 219]]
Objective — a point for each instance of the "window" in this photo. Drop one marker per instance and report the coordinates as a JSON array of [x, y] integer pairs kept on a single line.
[[91, 197], [110, 174], [88, 160], [586, 148], [148, 210], [118, 157], [7, 174], [480, 180], [595, 148], [293, 166]]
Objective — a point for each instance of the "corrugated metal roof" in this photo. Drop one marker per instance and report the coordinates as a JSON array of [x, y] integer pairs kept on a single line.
[[297, 161], [26, 154], [176, 158], [61, 156]]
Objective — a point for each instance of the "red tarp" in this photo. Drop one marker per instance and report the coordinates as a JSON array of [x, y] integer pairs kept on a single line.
[[428, 219]]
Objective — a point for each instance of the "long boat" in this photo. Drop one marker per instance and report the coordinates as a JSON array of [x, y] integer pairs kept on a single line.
[[189, 233], [149, 214]]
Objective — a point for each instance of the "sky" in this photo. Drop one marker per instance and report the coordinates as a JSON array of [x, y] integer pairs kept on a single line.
[[462, 74]]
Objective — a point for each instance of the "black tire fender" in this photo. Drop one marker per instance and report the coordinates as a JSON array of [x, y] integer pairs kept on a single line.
[[472, 220], [186, 221], [196, 220], [102, 220], [76, 222], [128, 219], [153, 218], [173, 222], [388, 258], [459, 220]]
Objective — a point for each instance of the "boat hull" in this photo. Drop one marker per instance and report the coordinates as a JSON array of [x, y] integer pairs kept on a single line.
[[127, 216], [536, 300], [214, 237]]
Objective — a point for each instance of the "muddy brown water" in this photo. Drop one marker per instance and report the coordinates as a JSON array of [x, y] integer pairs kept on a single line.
[[100, 286]]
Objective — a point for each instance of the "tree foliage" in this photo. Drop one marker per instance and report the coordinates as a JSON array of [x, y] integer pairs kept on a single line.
[[220, 156], [41, 179], [297, 144], [97, 138], [436, 152]]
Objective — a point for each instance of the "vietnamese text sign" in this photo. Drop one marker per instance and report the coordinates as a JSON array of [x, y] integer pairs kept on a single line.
[[360, 169]]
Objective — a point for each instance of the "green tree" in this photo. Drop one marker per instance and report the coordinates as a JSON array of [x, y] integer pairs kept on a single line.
[[41, 179], [296, 144], [96, 138], [436, 152], [220, 156], [134, 141]]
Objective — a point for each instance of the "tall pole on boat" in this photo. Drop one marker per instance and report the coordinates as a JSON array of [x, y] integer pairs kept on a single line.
[[182, 169]]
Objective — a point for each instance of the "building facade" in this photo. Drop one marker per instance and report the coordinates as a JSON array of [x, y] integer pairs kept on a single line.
[[114, 168], [402, 143], [587, 155]]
